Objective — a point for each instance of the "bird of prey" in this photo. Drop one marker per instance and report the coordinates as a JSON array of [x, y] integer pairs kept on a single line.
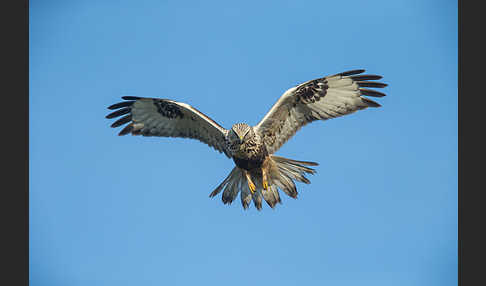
[[258, 172]]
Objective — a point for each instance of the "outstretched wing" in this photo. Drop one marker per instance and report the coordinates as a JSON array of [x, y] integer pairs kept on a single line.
[[318, 99], [167, 118]]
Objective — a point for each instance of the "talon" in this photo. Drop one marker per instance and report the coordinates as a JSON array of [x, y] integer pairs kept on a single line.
[[264, 179], [252, 187], [265, 185]]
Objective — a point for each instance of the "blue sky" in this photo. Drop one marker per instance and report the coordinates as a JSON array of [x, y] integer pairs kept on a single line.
[[110, 210]]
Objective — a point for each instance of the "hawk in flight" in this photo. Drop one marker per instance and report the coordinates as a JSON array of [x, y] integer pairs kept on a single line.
[[258, 172]]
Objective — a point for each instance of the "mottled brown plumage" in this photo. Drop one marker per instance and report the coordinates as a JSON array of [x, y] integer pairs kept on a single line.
[[258, 173]]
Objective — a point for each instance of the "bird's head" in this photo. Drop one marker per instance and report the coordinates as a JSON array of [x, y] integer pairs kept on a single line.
[[240, 132]]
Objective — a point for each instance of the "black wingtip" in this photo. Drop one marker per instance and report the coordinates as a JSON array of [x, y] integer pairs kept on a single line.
[[370, 102], [371, 84], [119, 112], [351, 72], [130, 97], [121, 121], [370, 92], [126, 130], [365, 77], [121, 104]]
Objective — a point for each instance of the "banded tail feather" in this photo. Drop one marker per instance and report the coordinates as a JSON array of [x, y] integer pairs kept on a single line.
[[282, 174]]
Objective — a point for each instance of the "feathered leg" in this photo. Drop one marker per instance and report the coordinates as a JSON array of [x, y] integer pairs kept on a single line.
[[264, 179]]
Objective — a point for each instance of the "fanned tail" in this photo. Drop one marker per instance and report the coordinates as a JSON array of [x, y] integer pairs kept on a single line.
[[232, 185], [281, 174], [294, 169]]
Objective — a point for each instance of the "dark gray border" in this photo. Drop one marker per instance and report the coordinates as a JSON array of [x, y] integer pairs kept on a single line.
[[471, 129], [14, 209]]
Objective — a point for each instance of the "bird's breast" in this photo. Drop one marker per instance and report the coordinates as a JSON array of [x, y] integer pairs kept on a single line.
[[248, 164], [251, 157]]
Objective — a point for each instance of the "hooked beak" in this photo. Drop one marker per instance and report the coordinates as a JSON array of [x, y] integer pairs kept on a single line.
[[241, 139]]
